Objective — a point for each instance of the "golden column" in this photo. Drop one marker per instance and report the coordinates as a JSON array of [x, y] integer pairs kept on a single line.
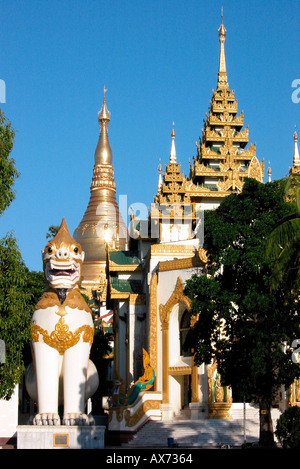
[[165, 353]]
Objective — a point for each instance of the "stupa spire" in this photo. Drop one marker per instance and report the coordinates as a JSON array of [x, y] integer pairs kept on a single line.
[[296, 159], [173, 149], [222, 74], [269, 173], [159, 175], [103, 152]]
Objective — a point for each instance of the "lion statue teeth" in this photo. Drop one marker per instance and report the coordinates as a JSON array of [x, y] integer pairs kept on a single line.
[[62, 335]]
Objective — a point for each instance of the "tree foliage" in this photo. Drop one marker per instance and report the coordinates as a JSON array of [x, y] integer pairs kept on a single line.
[[288, 428], [240, 323], [8, 171], [53, 230], [19, 288], [17, 299], [283, 245]]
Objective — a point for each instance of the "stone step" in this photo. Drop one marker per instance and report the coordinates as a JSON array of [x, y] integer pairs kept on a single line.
[[196, 433]]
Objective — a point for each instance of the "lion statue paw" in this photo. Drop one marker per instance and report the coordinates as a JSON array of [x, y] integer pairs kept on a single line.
[[46, 419], [76, 419]]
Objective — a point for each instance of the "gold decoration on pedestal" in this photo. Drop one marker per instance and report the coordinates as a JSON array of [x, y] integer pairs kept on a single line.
[[132, 420], [219, 397]]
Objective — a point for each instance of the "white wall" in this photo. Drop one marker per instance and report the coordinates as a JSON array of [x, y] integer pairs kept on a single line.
[[9, 415]]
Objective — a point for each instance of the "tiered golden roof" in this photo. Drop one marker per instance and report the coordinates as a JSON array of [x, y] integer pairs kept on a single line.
[[173, 202], [172, 185], [223, 161]]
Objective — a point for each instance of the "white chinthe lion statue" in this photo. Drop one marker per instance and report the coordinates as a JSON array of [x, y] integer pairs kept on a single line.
[[62, 335]]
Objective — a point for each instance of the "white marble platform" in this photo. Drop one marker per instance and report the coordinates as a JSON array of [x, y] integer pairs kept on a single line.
[[60, 437]]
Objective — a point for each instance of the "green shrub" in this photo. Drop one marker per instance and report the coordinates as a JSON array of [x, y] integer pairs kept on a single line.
[[288, 428]]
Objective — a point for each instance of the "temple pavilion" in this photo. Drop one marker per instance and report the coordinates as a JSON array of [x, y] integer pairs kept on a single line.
[[137, 273]]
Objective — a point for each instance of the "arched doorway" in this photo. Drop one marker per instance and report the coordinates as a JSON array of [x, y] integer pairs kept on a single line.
[[180, 377]]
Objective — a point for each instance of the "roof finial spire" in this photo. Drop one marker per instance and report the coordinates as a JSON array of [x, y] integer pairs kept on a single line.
[[296, 159], [222, 75], [159, 175], [104, 115], [103, 153], [269, 173], [173, 149]]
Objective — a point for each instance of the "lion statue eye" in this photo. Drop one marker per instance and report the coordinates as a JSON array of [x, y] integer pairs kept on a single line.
[[76, 250], [49, 250]]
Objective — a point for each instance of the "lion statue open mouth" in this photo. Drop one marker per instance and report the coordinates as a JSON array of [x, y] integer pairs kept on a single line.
[[62, 260], [62, 335]]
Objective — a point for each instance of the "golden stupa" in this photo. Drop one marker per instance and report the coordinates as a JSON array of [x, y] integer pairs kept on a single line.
[[102, 227]]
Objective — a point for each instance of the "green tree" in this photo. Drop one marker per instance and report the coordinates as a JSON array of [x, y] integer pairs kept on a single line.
[[15, 314], [288, 428], [283, 245], [248, 330], [53, 230], [8, 171], [19, 288]]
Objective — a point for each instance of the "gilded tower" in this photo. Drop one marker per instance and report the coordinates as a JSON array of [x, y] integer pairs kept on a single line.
[[223, 161], [172, 209], [102, 227]]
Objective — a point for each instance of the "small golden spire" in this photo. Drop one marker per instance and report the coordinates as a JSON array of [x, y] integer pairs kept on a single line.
[[104, 113], [296, 159], [103, 153], [270, 172], [173, 149], [222, 74], [159, 175]]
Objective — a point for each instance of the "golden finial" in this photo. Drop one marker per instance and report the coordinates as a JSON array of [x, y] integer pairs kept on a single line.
[[222, 29], [159, 165], [159, 175], [270, 172], [296, 159], [104, 115], [103, 153], [173, 149], [222, 75]]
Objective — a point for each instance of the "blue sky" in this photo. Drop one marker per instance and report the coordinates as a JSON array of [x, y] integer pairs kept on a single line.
[[158, 60]]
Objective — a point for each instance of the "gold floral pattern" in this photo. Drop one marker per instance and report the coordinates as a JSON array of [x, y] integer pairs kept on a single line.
[[62, 338]]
